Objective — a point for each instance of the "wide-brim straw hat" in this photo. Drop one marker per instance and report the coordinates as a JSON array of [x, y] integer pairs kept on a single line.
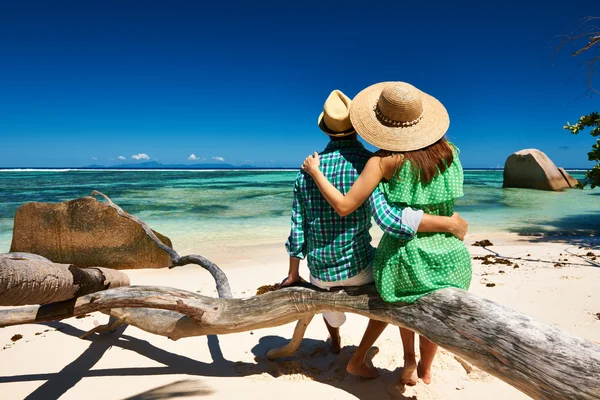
[[335, 118], [397, 116]]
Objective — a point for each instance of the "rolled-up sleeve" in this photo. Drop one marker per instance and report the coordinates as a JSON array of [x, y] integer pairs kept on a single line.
[[296, 243], [400, 222]]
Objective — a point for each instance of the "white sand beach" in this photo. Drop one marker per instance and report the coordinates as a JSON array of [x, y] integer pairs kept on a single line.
[[554, 282]]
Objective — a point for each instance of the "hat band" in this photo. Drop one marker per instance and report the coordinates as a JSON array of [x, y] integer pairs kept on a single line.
[[389, 121], [334, 133]]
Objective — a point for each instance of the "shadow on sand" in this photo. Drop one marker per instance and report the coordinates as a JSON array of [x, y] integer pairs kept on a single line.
[[182, 388], [313, 360], [578, 230]]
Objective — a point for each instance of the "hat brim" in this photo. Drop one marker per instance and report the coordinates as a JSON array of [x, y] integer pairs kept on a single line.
[[329, 132], [432, 127]]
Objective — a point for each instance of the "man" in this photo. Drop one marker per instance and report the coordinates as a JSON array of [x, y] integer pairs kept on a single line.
[[338, 249]]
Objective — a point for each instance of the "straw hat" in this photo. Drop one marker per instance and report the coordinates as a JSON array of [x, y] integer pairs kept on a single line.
[[335, 118], [397, 116]]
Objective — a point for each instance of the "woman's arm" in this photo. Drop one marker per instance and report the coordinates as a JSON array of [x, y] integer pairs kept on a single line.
[[455, 225], [358, 193]]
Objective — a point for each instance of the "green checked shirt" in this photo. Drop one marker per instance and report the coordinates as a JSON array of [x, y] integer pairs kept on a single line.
[[337, 248]]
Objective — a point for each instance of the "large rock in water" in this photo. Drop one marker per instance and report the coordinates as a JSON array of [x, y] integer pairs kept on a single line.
[[86, 233], [570, 180], [532, 169]]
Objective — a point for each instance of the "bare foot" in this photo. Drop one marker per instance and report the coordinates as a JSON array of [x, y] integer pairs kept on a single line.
[[425, 375], [409, 376], [362, 369]]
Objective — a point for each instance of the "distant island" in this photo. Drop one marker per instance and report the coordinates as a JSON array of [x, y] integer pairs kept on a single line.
[[157, 165]]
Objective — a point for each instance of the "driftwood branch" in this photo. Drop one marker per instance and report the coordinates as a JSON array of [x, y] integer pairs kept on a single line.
[[111, 326], [221, 280], [32, 279], [540, 360], [290, 348]]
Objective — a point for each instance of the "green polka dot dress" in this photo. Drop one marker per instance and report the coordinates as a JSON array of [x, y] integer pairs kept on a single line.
[[405, 271]]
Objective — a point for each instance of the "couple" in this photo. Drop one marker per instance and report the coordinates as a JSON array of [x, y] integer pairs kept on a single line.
[[409, 187]]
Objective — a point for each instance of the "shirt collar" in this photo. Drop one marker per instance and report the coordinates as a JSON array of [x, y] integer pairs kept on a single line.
[[343, 144]]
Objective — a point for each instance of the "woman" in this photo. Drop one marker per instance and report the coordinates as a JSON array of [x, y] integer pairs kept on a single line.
[[417, 167]]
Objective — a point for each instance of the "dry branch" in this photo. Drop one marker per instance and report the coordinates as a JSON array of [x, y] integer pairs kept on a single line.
[[540, 360], [32, 279], [593, 41], [290, 348], [111, 326], [221, 280], [584, 30]]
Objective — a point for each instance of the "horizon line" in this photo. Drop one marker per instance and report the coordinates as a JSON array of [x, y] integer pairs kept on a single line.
[[212, 168]]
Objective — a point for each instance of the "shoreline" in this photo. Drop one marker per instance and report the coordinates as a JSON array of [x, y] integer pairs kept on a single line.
[[232, 254]]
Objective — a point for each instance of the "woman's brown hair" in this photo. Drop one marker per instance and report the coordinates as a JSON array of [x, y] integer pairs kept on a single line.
[[427, 162]]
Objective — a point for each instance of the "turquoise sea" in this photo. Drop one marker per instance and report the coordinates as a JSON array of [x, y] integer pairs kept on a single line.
[[201, 208]]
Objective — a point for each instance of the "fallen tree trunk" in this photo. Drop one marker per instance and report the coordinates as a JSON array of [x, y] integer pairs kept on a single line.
[[540, 360], [32, 279]]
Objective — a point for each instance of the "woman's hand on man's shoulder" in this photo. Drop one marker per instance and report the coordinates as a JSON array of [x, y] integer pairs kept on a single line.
[[311, 164]]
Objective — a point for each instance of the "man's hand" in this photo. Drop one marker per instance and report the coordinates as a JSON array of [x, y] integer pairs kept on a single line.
[[459, 226], [290, 280], [311, 164]]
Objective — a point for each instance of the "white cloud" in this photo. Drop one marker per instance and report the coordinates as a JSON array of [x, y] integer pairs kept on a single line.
[[193, 157], [95, 158], [218, 158], [122, 158], [249, 161], [141, 156]]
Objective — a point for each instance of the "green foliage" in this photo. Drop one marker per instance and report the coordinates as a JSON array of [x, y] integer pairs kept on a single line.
[[591, 120]]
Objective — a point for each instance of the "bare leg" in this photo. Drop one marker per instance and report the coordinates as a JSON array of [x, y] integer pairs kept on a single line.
[[357, 364], [336, 341], [408, 376], [428, 350]]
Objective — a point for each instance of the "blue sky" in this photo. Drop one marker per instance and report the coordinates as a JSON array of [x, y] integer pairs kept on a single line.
[[85, 82]]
